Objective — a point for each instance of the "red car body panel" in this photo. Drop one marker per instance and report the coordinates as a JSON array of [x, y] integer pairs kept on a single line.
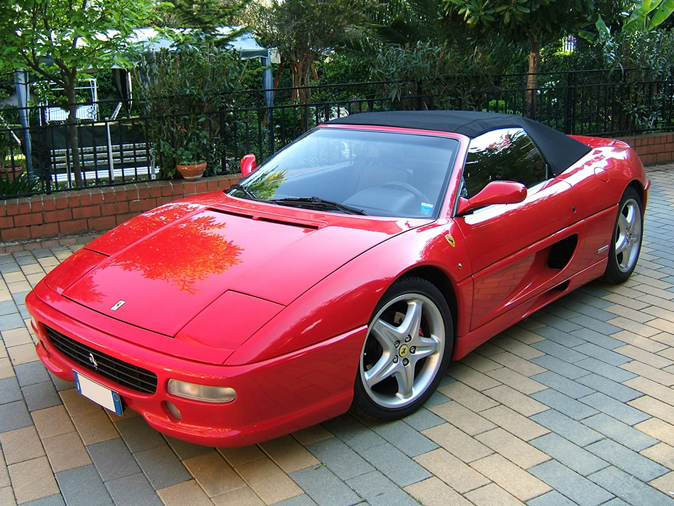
[[275, 301]]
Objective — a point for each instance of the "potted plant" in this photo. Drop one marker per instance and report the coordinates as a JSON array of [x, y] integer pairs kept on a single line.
[[191, 151]]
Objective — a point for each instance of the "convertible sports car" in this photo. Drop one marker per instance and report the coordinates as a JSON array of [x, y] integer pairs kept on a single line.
[[343, 273]]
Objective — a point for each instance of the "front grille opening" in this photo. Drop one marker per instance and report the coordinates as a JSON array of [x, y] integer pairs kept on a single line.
[[127, 375]]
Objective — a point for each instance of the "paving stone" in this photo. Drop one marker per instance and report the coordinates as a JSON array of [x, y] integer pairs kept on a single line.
[[513, 422], [435, 399], [571, 484], [610, 357], [653, 389], [32, 479], [83, 486], [434, 492], [562, 384], [14, 415], [560, 337], [559, 366], [423, 419], [516, 347], [616, 409], [9, 391], [162, 467], [10, 322], [138, 435], [610, 388], [468, 397], [552, 498], [569, 454], [52, 500], [620, 432], [312, 434], [643, 356], [471, 377], [517, 381], [405, 438], [603, 369], [246, 497], [379, 491], [186, 493], [397, 466], [31, 373], [244, 455], [133, 490], [52, 421], [564, 404], [551, 320], [512, 448], [66, 451], [353, 432], [113, 460], [214, 474], [451, 470], [524, 367], [647, 371], [508, 476], [324, 488], [557, 351], [94, 427], [76, 404], [21, 445], [463, 418], [661, 453], [628, 488], [186, 450], [523, 404], [340, 458], [268, 481], [598, 338], [566, 427], [480, 363], [41, 395], [627, 460], [457, 442]]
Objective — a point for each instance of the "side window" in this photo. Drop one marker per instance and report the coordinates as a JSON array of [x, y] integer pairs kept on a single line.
[[506, 155]]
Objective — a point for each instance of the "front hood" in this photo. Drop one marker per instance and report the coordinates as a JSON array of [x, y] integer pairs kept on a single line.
[[162, 269]]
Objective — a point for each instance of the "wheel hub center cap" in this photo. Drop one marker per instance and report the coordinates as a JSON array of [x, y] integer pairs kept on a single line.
[[404, 351]]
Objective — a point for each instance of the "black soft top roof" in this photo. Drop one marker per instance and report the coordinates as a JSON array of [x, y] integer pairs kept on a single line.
[[558, 149]]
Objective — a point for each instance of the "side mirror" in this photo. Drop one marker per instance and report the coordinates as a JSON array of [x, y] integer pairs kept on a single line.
[[248, 165], [496, 192]]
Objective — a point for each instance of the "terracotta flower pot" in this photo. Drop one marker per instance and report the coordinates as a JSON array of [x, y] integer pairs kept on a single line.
[[191, 172]]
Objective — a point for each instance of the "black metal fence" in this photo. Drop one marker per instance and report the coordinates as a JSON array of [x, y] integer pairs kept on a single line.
[[127, 148]]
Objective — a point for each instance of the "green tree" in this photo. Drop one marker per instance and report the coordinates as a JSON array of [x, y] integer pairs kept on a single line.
[[303, 30], [204, 14], [58, 40], [532, 20]]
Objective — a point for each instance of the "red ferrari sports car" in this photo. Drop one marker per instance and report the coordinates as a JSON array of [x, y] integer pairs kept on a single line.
[[343, 273]]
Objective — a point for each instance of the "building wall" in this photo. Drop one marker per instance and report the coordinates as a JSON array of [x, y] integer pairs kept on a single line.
[[653, 148]]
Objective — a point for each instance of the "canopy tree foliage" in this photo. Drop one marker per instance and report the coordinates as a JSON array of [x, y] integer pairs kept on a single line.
[[59, 40], [304, 30], [203, 14], [531, 20]]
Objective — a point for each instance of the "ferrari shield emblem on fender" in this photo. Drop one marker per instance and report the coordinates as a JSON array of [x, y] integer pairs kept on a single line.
[[451, 241], [118, 305]]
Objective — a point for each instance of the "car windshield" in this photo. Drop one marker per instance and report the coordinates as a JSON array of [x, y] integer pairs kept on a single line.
[[356, 171]]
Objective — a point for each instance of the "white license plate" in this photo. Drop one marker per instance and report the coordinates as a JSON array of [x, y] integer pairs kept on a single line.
[[96, 392]]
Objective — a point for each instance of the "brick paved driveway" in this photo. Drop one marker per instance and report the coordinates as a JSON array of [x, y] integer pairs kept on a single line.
[[573, 405]]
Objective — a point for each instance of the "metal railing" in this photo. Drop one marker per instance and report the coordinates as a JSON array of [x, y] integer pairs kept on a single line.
[[126, 149]]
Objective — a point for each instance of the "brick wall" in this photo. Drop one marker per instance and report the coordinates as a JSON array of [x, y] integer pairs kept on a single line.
[[653, 148], [95, 209]]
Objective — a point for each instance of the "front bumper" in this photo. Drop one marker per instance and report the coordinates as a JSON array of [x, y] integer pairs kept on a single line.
[[274, 397]]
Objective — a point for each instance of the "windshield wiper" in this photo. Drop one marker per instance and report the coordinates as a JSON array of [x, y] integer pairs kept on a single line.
[[246, 191], [317, 203]]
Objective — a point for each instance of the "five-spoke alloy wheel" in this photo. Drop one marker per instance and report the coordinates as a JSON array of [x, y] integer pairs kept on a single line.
[[627, 235], [406, 351]]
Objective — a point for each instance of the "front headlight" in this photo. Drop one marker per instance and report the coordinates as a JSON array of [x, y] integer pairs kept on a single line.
[[203, 393]]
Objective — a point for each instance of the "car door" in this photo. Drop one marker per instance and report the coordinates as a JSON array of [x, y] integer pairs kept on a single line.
[[510, 256]]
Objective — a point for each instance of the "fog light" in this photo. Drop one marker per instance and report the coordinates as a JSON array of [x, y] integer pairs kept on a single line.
[[202, 393], [173, 410]]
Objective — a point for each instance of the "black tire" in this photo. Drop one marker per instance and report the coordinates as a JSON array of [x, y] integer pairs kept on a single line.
[[406, 352], [626, 239]]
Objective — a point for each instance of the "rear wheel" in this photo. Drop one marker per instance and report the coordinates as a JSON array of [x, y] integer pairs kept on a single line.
[[627, 236], [406, 351]]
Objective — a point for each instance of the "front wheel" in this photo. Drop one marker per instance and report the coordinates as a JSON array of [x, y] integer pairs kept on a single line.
[[627, 236], [406, 351]]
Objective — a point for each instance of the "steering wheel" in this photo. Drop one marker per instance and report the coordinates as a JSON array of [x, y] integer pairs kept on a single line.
[[409, 188]]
